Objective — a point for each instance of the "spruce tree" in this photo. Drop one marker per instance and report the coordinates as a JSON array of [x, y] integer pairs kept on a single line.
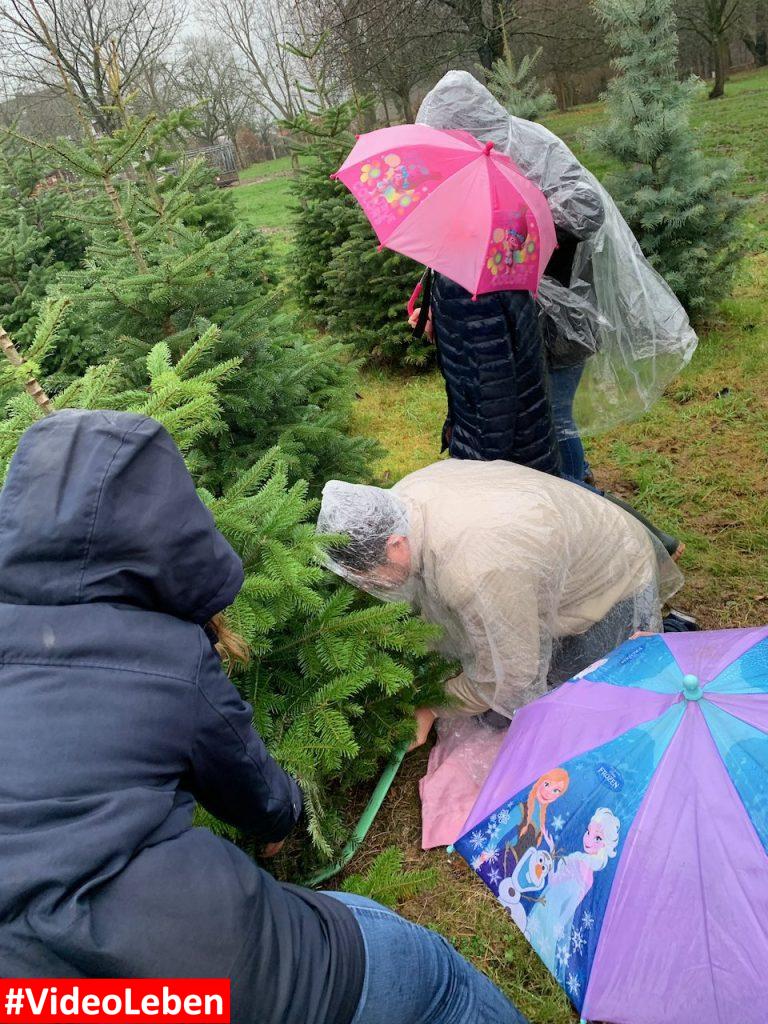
[[515, 85], [678, 202], [38, 236], [334, 678], [354, 290], [386, 881], [158, 267]]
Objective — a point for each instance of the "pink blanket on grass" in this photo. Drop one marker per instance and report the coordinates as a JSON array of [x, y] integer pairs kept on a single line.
[[458, 766]]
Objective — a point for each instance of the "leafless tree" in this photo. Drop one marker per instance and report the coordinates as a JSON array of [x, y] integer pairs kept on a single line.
[[755, 35], [209, 77], [39, 114], [46, 39], [716, 22], [267, 36]]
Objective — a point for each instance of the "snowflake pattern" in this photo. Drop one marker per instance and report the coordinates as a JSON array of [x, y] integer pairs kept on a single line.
[[477, 863], [559, 932], [574, 985], [492, 854], [587, 921], [577, 940], [477, 839], [494, 876], [563, 956], [558, 823], [504, 817]]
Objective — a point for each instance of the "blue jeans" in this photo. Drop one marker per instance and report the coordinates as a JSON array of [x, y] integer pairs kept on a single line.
[[413, 976], [563, 384]]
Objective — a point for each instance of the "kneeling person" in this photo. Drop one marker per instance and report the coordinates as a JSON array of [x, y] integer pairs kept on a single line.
[[532, 578]]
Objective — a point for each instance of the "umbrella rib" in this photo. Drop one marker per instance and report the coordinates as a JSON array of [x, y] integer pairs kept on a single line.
[[425, 204]]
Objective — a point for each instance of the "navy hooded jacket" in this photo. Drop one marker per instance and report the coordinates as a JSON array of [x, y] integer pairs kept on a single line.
[[491, 357], [115, 716]]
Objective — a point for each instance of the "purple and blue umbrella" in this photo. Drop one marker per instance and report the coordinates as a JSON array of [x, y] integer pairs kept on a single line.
[[624, 826]]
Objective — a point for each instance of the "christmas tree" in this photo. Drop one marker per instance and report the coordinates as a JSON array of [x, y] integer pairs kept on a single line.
[[38, 237], [162, 263], [333, 678], [678, 202], [353, 290], [516, 87]]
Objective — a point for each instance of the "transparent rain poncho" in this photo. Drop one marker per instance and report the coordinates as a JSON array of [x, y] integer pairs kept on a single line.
[[531, 578], [617, 313]]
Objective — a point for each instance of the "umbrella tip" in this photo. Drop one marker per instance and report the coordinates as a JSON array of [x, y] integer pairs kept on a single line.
[[474, 297], [357, 135], [450, 849], [691, 688], [379, 247], [488, 148]]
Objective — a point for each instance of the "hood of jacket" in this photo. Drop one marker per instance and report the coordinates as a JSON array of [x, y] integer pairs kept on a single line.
[[100, 506]]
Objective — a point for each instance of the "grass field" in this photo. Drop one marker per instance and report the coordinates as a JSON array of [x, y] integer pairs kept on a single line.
[[697, 464], [263, 196]]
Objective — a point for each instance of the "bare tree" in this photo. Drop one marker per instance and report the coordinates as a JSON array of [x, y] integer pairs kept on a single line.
[[44, 38], [263, 34], [716, 22], [209, 77], [755, 36]]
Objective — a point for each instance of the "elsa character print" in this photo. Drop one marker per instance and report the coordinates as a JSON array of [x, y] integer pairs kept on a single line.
[[551, 920]]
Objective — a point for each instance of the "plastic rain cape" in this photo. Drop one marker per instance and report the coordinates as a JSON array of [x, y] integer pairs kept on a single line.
[[618, 313], [531, 578]]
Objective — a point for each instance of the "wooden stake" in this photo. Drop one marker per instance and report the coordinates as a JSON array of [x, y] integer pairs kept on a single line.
[[31, 386]]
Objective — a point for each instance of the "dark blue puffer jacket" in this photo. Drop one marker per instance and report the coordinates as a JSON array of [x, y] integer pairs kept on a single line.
[[115, 716], [491, 357]]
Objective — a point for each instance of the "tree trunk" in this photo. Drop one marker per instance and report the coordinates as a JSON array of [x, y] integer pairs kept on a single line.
[[722, 63], [405, 106], [31, 385], [758, 47]]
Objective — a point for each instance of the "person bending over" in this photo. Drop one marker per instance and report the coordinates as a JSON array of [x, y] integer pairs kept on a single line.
[[116, 716], [531, 578]]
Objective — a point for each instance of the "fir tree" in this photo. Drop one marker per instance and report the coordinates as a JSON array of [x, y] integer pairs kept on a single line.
[[334, 678], [388, 883], [155, 269], [678, 202], [515, 85], [38, 236], [354, 290]]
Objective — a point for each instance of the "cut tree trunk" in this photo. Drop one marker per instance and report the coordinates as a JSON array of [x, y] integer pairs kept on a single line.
[[31, 386]]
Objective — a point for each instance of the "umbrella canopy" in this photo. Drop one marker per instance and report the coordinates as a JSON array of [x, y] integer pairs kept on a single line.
[[453, 204], [624, 826]]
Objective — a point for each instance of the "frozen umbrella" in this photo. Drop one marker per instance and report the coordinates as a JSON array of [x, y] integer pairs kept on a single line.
[[453, 204], [624, 826]]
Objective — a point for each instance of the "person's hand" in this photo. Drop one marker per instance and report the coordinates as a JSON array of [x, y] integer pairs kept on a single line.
[[642, 632], [413, 319], [425, 719], [272, 849]]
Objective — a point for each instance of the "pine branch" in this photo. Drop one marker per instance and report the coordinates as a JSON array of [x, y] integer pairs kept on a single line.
[[31, 385]]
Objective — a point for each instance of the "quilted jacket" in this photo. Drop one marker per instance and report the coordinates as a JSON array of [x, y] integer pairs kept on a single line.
[[491, 357]]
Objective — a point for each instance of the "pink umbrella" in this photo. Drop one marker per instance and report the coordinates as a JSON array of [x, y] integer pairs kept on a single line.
[[453, 204]]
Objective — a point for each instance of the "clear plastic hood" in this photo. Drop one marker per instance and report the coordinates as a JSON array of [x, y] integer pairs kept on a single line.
[[617, 312]]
